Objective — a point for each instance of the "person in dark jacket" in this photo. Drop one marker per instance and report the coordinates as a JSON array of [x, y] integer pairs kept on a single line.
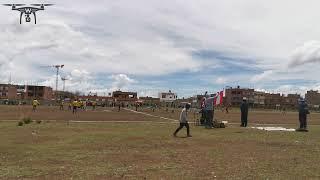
[[209, 111], [244, 112], [303, 111]]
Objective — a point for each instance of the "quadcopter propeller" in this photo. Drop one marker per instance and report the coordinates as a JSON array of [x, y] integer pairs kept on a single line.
[[13, 4], [41, 4]]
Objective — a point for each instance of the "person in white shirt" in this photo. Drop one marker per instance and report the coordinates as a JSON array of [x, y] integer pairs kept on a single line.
[[184, 121]]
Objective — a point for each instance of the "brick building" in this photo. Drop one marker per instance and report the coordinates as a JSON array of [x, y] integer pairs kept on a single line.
[[273, 101], [290, 101], [234, 96], [150, 100], [125, 97], [8, 91], [313, 98], [28, 92], [259, 99]]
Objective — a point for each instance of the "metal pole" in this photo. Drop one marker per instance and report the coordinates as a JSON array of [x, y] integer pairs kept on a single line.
[[64, 84], [57, 78]]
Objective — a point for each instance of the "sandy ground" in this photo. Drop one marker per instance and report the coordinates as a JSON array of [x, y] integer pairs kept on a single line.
[[145, 148]]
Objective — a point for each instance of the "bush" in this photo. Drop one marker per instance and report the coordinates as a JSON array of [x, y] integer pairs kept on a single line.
[[20, 123], [27, 120]]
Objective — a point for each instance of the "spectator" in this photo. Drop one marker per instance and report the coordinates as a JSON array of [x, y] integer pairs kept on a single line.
[[184, 121], [244, 112]]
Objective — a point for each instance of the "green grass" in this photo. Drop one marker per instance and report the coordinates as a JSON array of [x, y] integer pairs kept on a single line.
[[138, 151]]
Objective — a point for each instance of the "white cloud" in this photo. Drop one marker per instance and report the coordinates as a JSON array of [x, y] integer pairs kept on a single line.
[[121, 81], [291, 89], [155, 38], [221, 80], [306, 54], [266, 75]]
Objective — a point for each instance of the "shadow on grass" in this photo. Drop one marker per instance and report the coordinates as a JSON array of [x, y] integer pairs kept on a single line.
[[182, 137]]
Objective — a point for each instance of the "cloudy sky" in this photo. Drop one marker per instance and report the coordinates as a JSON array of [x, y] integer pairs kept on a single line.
[[188, 46]]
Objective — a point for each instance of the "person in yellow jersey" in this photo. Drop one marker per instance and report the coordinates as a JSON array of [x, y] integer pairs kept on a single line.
[[75, 105], [35, 103], [79, 104]]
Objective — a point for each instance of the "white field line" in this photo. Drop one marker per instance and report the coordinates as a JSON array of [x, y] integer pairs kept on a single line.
[[147, 114]]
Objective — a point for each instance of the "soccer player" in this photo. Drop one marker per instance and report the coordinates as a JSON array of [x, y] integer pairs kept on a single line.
[[75, 105], [35, 103], [61, 105]]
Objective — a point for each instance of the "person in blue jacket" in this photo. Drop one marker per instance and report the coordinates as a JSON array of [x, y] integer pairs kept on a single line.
[[303, 112]]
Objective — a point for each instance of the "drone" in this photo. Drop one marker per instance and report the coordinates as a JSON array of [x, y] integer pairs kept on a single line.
[[28, 10]]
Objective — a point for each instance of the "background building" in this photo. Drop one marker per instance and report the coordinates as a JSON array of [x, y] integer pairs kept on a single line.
[[168, 97], [313, 98], [28, 92], [125, 97], [148, 101], [290, 101], [273, 101], [259, 99], [8, 91], [234, 96]]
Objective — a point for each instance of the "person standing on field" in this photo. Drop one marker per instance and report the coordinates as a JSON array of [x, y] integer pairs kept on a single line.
[[61, 105], [209, 110], [35, 104], [184, 121], [303, 112], [75, 105], [244, 112]]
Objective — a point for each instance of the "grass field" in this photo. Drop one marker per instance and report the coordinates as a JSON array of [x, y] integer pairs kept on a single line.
[[145, 148]]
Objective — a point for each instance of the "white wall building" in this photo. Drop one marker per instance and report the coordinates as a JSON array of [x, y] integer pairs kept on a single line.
[[168, 96]]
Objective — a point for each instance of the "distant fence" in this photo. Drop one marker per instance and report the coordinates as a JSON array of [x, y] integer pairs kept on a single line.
[[24, 102]]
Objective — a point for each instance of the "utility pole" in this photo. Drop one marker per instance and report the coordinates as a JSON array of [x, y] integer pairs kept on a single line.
[[64, 82], [57, 75], [58, 67]]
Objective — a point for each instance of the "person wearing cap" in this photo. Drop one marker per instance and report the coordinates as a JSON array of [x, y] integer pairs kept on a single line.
[[303, 111], [244, 112], [184, 120]]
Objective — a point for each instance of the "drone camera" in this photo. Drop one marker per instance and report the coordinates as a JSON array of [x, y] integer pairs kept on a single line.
[[27, 10]]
